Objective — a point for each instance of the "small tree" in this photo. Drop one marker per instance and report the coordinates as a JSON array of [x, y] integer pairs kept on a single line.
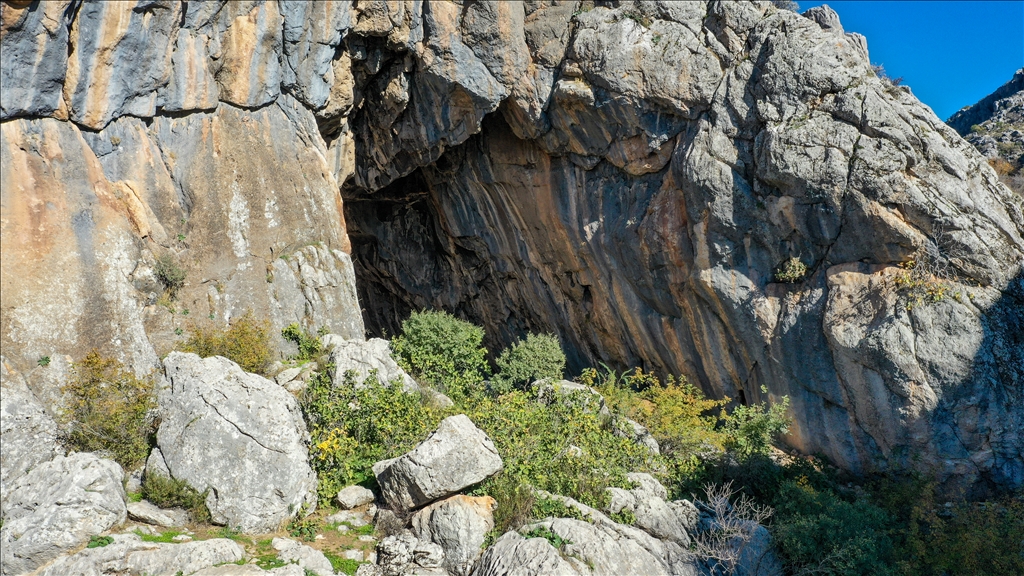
[[539, 356]]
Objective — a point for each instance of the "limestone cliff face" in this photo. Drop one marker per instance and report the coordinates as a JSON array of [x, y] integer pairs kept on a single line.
[[627, 176], [134, 131]]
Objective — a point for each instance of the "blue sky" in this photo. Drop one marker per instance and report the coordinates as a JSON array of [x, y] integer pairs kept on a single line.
[[951, 54]]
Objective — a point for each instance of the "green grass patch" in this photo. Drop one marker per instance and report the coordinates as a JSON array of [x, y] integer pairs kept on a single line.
[[164, 537]]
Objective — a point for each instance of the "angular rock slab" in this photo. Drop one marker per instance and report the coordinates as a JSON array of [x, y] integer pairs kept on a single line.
[[239, 435], [307, 557], [128, 554], [150, 513], [354, 496], [456, 455], [459, 525], [364, 356], [513, 554], [57, 507], [653, 514]]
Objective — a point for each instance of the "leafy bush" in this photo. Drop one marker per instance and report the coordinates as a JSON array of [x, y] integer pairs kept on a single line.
[[172, 493], [539, 356], [169, 273], [562, 447], [442, 350], [310, 347], [753, 429], [351, 427], [99, 541], [108, 410], [791, 271], [675, 412], [821, 533], [245, 342]]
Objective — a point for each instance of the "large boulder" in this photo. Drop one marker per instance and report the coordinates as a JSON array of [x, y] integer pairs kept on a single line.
[[238, 435], [456, 455], [362, 357], [27, 432], [56, 507], [459, 525]]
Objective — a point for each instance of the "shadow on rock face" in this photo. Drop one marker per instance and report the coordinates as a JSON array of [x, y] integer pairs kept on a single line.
[[997, 388]]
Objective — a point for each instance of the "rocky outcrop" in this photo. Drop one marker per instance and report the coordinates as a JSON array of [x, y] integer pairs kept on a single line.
[[1004, 100], [308, 558], [646, 502], [459, 525], [642, 217], [362, 357], [456, 455], [627, 176], [995, 126], [159, 129], [56, 507], [238, 435]]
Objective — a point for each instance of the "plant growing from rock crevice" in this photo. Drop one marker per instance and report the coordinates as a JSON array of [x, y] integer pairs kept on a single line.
[[791, 271]]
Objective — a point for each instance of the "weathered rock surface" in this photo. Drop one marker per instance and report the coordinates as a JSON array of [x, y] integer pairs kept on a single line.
[[653, 514], [239, 435], [354, 496], [456, 455], [145, 511], [403, 554], [306, 557], [363, 357], [643, 215], [458, 525], [56, 507], [128, 554], [627, 177], [27, 431]]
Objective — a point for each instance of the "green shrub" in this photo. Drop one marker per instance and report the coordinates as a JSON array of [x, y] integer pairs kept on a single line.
[[442, 350], [310, 347], [791, 271], [163, 537], [99, 541], [539, 356], [821, 533], [172, 493], [305, 528], [108, 409], [752, 429], [561, 447], [169, 273], [544, 532], [351, 427], [342, 565], [245, 342]]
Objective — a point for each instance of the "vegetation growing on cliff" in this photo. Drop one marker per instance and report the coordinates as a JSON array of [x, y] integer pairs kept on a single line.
[[245, 342], [108, 410]]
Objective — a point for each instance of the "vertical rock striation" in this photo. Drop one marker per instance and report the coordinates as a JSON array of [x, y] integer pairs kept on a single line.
[[628, 175]]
